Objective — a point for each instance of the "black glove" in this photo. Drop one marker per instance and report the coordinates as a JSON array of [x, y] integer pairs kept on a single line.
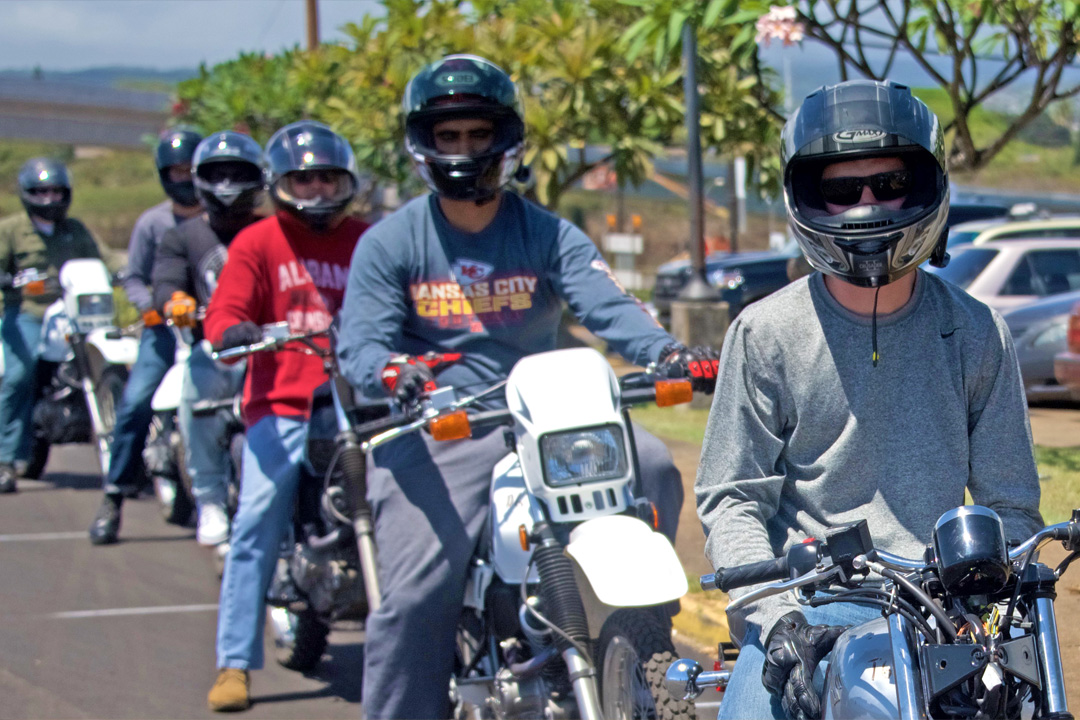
[[699, 365], [407, 380], [244, 333], [792, 653]]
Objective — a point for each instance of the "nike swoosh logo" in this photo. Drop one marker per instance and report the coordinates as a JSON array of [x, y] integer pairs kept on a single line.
[[948, 334]]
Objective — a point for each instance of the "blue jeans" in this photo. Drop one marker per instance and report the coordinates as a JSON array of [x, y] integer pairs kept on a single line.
[[746, 697], [157, 351], [206, 448], [273, 451], [20, 334]]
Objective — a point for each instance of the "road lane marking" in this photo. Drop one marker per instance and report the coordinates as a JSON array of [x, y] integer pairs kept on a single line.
[[24, 537], [115, 612]]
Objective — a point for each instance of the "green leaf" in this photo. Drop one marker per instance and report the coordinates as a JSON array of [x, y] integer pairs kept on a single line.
[[712, 11], [675, 26]]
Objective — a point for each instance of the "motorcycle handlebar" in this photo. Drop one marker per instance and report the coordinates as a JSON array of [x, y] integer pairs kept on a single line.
[[201, 408], [743, 575]]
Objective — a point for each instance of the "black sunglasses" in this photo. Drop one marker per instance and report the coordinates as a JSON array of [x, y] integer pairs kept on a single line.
[[45, 190], [885, 186], [305, 177]]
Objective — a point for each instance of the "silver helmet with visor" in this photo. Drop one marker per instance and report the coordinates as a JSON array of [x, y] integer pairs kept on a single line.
[[866, 244], [312, 173]]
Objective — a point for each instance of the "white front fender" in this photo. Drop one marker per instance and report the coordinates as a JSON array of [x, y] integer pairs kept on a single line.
[[119, 351], [627, 564]]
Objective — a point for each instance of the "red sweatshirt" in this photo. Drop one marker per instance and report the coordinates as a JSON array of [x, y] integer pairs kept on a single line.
[[278, 270]]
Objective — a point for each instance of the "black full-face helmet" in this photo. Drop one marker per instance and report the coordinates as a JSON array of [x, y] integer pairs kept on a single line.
[[458, 87], [228, 175], [176, 146], [866, 245], [309, 149], [39, 175]]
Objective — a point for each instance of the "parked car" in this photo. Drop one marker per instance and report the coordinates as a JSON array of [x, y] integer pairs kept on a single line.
[[1067, 362], [1006, 274], [1039, 332], [742, 278], [983, 231]]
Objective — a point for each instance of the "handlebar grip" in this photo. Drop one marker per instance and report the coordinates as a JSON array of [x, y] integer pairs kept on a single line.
[[750, 574]]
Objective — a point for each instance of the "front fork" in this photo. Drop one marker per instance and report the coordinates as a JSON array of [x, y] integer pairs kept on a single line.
[[353, 464], [564, 608], [101, 433]]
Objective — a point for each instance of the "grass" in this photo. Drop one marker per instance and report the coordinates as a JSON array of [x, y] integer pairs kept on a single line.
[[1059, 468]]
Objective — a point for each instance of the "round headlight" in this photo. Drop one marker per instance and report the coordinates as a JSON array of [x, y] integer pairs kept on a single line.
[[972, 557]]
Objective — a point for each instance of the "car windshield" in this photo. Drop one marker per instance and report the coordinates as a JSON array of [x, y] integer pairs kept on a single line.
[[965, 265], [959, 237]]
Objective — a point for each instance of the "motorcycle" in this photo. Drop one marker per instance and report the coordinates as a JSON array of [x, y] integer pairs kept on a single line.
[[968, 631], [567, 603], [83, 364], [163, 455], [326, 572]]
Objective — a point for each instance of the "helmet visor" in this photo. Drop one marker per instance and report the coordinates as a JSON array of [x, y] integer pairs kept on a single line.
[[313, 188]]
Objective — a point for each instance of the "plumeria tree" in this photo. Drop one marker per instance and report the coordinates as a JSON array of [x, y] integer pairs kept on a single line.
[[582, 89]]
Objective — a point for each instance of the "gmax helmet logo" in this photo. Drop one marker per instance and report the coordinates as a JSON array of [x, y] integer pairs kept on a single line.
[[858, 136], [455, 79]]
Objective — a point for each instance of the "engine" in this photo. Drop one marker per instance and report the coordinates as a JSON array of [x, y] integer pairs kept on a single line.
[[331, 583]]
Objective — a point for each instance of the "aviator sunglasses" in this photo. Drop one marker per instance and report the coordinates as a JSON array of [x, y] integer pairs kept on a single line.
[[885, 186]]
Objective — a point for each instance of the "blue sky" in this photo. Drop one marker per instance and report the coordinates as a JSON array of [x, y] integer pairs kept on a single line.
[[160, 34]]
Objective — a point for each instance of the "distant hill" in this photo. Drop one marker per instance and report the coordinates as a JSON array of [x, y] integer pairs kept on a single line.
[[114, 77]]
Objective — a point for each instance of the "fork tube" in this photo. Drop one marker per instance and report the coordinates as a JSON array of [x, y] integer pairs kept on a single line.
[[907, 696], [583, 677], [1046, 640]]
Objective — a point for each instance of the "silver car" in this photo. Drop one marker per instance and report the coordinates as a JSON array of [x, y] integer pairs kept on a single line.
[[1039, 333]]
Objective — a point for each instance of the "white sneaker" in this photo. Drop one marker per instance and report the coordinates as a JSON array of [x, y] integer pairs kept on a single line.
[[213, 525]]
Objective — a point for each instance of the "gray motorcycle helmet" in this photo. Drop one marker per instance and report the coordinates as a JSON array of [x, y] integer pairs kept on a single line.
[[867, 245], [44, 173]]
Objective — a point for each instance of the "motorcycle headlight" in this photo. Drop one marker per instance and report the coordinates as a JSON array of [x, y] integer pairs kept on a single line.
[[96, 304], [581, 456]]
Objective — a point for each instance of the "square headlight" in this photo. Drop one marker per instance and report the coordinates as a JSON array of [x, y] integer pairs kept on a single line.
[[96, 304], [582, 456]]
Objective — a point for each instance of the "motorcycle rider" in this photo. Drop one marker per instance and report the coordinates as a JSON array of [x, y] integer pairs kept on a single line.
[[869, 389], [43, 239], [289, 267], [471, 268], [228, 179], [157, 346]]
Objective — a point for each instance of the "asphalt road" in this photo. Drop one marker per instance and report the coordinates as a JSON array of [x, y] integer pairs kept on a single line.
[[127, 630]]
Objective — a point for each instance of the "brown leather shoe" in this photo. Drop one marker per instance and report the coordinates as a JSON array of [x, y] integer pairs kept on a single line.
[[231, 691]]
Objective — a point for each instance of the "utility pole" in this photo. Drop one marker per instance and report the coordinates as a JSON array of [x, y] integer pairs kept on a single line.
[[312, 24], [698, 289]]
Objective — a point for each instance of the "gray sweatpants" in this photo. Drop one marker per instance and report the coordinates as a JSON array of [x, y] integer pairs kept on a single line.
[[430, 502]]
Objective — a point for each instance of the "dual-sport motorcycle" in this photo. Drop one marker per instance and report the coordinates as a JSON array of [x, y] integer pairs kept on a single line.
[[968, 631], [83, 362], [567, 603], [163, 455]]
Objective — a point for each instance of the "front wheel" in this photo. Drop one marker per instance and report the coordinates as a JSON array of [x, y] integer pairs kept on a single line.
[[300, 638], [110, 388], [634, 653]]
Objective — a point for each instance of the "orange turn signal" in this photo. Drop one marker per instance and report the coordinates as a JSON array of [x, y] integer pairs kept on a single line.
[[523, 538], [673, 392], [36, 287], [454, 426]]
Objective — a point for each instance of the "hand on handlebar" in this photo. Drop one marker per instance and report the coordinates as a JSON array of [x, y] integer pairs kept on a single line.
[[698, 364], [151, 317], [407, 377], [181, 310], [242, 333], [792, 653]]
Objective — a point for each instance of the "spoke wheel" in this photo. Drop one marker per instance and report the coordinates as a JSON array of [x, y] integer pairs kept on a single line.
[[635, 650]]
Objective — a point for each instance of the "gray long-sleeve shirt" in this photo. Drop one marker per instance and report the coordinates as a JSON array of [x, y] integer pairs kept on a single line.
[[416, 284], [805, 433], [145, 237]]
